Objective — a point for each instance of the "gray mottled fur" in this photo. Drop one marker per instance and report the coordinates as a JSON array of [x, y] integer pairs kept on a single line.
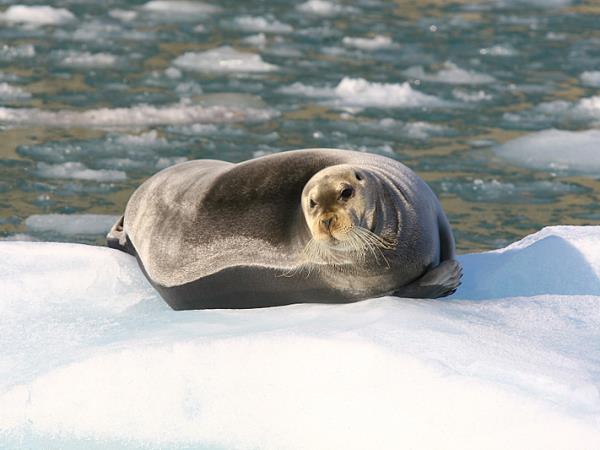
[[212, 234]]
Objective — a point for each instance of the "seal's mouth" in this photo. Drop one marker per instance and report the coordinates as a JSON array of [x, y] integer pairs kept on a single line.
[[357, 246]]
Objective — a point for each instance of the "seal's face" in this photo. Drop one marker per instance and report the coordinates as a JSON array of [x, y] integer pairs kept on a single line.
[[334, 202], [338, 204]]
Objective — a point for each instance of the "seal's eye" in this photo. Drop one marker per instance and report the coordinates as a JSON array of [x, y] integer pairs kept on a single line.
[[346, 193], [358, 176], [312, 203]]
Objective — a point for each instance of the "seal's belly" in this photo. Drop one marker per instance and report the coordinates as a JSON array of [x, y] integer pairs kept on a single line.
[[255, 287]]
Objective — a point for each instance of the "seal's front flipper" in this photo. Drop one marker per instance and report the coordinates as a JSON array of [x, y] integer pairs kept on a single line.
[[116, 237], [440, 281]]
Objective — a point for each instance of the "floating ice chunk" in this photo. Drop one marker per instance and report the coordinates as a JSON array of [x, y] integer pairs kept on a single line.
[[8, 53], [471, 97], [195, 129], [139, 115], [358, 92], [36, 15], [362, 93], [450, 74], [499, 50], [423, 130], [78, 171], [123, 14], [180, 9], [147, 139], [86, 60], [591, 78], [8, 92], [70, 224], [102, 31], [498, 191], [223, 60], [374, 43], [323, 8], [261, 24], [555, 150], [556, 112], [173, 73], [258, 40], [298, 88]]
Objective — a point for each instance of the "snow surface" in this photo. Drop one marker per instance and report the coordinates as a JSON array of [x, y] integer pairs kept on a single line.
[[91, 357], [223, 60], [555, 150]]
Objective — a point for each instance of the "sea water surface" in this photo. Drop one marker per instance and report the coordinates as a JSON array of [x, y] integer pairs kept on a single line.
[[495, 103]]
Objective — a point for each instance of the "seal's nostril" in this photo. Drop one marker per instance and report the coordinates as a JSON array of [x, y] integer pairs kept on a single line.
[[327, 222]]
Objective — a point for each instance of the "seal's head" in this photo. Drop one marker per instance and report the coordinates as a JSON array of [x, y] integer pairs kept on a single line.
[[334, 202], [337, 203]]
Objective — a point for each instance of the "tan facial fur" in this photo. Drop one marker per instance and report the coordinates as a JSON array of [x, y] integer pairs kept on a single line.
[[333, 203]]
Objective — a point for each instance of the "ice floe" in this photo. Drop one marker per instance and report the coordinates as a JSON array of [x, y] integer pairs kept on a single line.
[[9, 92], [258, 40], [179, 9], [223, 60], [91, 357], [70, 224], [123, 14], [323, 8], [102, 32], [450, 73], [86, 60], [261, 24], [555, 150], [370, 43], [471, 97], [585, 110], [499, 50], [9, 53], [78, 171], [358, 92], [36, 15], [138, 115], [591, 78]]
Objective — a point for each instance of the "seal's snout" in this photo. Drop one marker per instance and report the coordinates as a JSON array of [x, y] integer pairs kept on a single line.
[[327, 222]]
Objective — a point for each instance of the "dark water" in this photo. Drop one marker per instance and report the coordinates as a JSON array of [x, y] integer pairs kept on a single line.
[[108, 93]]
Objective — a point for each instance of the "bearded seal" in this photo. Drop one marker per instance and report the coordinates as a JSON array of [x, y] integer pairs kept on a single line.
[[315, 225]]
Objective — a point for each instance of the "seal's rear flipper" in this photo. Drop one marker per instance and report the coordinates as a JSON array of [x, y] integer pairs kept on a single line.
[[116, 237], [440, 281]]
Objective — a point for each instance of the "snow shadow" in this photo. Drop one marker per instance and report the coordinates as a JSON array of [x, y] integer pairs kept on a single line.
[[550, 265]]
